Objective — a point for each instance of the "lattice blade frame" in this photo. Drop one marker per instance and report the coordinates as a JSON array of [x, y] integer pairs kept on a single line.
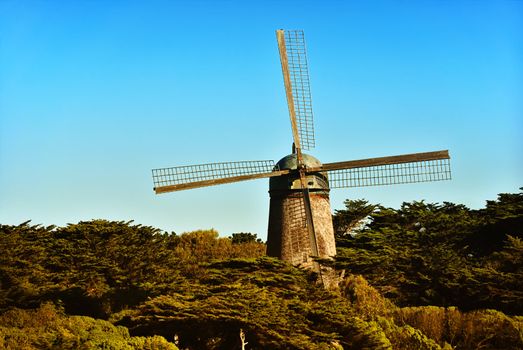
[[193, 176], [298, 70], [391, 174]]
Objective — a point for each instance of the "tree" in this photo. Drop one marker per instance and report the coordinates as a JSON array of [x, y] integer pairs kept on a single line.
[[245, 237], [441, 254], [355, 212]]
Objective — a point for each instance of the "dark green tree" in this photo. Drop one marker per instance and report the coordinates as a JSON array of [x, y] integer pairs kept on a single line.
[[345, 220], [245, 237], [440, 254]]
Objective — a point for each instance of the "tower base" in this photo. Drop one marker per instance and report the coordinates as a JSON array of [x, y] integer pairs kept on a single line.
[[288, 236]]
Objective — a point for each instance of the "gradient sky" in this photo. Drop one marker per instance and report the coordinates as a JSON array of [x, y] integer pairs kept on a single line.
[[95, 94]]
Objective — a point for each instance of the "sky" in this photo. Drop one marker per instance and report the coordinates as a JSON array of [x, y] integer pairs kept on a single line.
[[95, 94]]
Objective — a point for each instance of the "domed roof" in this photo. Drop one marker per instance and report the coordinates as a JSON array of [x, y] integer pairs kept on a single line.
[[291, 161], [317, 181]]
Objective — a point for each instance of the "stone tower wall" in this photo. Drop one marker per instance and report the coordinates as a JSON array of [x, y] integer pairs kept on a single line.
[[288, 236]]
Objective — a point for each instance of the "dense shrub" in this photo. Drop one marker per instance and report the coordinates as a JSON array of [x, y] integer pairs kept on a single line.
[[485, 329], [48, 328]]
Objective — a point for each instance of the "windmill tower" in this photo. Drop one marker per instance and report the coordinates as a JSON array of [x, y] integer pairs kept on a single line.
[[300, 221]]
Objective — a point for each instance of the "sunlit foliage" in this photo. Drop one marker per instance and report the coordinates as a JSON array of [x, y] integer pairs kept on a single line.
[[48, 328], [418, 277]]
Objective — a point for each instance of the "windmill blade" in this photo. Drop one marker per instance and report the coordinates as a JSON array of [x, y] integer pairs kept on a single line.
[[310, 222], [194, 176], [293, 57], [409, 168]]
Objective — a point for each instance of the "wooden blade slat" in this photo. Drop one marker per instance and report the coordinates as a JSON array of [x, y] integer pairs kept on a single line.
[[406, 158], [213, 182], [310, 223], [402, 170], [308, 213], [280, 36], [295, 67], [211, 171]]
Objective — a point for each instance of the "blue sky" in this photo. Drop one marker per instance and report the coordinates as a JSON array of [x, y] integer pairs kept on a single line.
[[95, 94]]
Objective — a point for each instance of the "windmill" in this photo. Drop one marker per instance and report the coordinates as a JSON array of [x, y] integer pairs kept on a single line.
[[300, 219]]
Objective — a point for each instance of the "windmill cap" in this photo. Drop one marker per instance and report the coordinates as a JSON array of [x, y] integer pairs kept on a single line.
[[291, 182], [290, 162]]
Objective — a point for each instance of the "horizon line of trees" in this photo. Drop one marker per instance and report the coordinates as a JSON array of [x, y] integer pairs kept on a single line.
[[417, 277]]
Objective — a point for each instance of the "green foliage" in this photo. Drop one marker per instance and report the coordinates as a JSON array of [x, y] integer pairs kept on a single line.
[[97, 267], [486, 329], [278, 307], [366, 300], [245, 237], [432, 254], [406, 337], [22, 274], [198, 289], [497, 220], [48, 328], [507, 206], [356, 211]]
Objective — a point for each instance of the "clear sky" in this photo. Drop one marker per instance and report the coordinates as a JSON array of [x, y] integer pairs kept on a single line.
[[95, 94]]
